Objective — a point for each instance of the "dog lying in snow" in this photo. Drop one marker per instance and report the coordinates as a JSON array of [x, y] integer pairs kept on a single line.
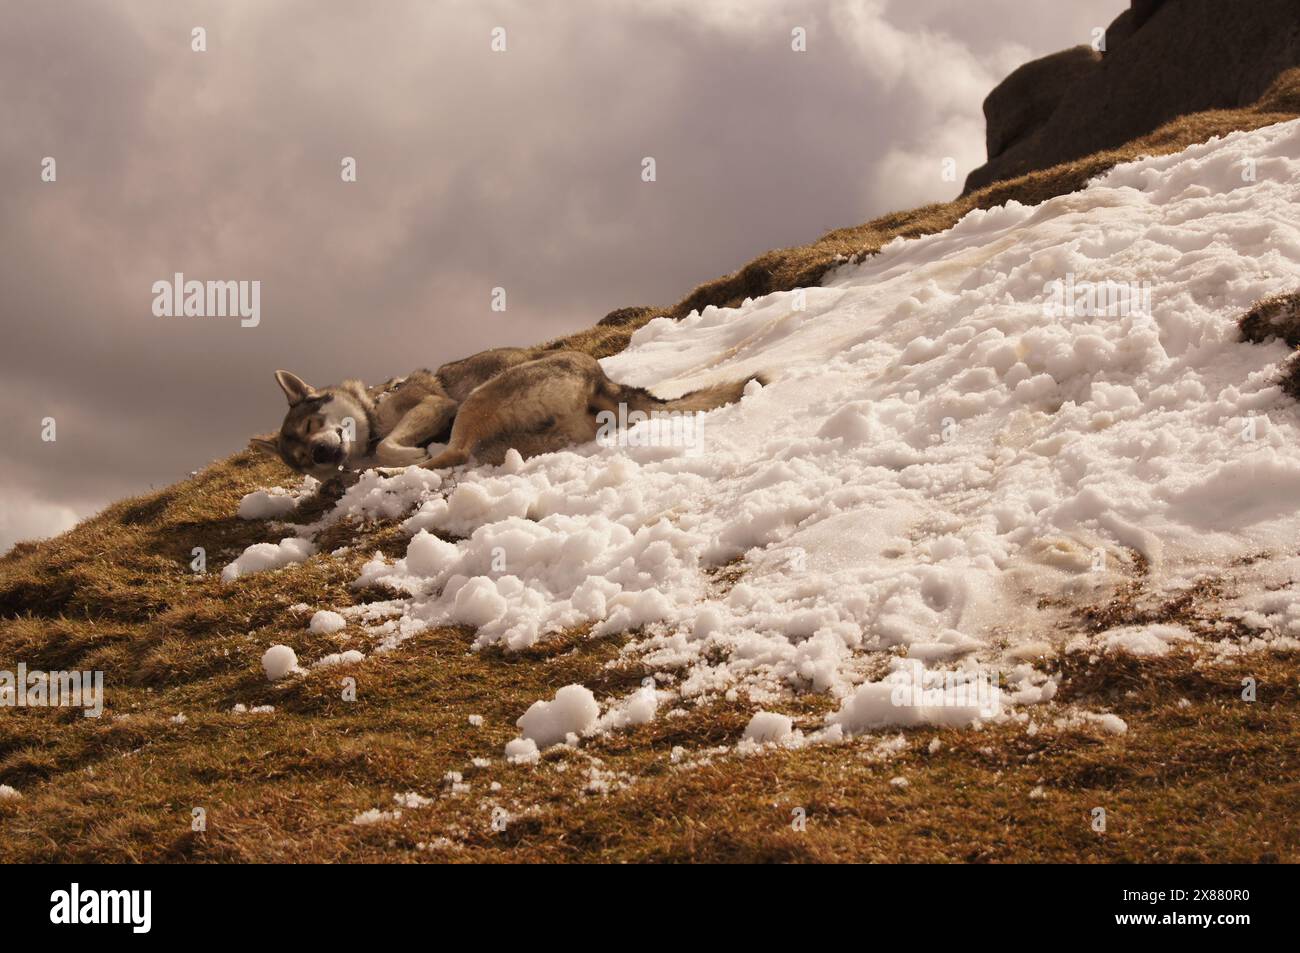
[[480, 407]]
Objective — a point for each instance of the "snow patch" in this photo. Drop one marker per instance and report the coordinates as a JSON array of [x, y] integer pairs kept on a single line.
[[276, 502], [261, 557], [279, 661], [326, 622], [573, 711]]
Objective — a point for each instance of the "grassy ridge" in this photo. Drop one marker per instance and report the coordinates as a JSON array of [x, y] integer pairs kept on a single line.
[[1200, 775]]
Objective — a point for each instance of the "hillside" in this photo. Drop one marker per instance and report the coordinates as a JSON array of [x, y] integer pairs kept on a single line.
[[942, 471]]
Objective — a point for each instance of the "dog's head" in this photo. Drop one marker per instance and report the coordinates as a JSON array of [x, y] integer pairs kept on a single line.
[[322, 433]]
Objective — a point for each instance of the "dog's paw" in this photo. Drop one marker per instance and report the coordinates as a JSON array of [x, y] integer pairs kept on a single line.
[[395, 455], [337, 485], [390, 471]]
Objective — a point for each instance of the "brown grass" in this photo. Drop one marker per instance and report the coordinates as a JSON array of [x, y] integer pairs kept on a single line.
[[1277, 318], [1213, 778], [1200, 775]]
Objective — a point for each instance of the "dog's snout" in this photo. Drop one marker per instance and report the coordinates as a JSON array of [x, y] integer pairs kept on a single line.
[[323, 454]]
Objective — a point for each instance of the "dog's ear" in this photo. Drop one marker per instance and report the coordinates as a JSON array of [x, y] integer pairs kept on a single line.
[[295, 388], [268, 446]]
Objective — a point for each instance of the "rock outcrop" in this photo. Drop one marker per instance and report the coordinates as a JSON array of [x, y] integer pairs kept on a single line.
[[1162, 59], [1026, 99]]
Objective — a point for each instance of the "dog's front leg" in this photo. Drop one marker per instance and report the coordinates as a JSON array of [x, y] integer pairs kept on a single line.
[[404, 444]]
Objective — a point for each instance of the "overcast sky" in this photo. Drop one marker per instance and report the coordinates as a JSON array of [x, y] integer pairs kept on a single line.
[[475, 169]]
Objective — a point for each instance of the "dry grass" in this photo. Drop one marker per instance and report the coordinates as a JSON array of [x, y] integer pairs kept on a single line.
[[1201, 775], [1211, 778], [1277, 318]]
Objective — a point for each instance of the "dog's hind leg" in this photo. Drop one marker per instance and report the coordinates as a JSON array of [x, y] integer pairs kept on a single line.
[[552, 393], [490, 421], [404, 445], [563, 431], [475, 422]]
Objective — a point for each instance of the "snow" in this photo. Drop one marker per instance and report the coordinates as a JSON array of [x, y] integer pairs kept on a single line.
[[522, 751], [279, 661], [326, 622], [1145, 639], [639, 708], [261, 557], [766, 726], [266, 504], [350, 657], [375, 816], [276, 502], [1111, 723], [881, 704], [945, 450], [573, 711]]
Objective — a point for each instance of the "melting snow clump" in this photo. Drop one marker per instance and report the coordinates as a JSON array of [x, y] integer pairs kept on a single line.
[[573, 711], [261, 557], [325, 622], [522, 751], [768, 726], [279, 661]]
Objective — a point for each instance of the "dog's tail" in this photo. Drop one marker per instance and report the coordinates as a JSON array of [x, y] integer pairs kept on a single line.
[[697, 401]]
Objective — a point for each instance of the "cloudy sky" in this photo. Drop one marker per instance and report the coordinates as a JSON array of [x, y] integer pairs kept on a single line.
[[476, 169]]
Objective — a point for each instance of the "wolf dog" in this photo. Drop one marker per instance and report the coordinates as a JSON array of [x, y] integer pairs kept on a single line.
[[479, 407]]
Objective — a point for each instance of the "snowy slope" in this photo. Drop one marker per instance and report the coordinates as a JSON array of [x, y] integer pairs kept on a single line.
[[937, 449]]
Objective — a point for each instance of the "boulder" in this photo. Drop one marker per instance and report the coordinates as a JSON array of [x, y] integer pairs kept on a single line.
[[1120, 30], [1142, 10], [1026, 99], [1193, 56]]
